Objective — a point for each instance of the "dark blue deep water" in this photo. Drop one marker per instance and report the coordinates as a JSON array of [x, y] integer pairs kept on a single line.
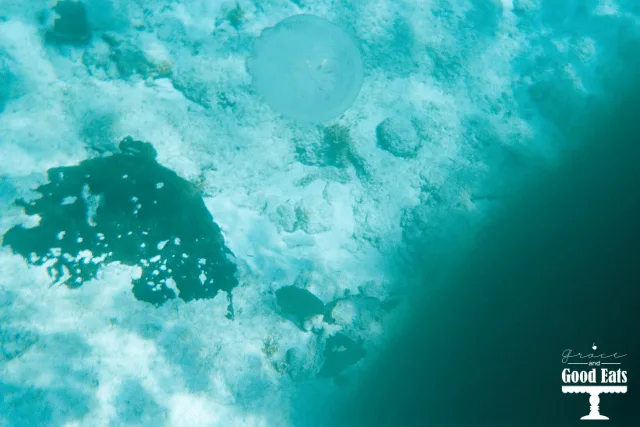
[[558, 268]]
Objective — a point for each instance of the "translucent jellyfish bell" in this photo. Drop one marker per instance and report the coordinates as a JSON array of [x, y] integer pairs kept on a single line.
[[306, 68]]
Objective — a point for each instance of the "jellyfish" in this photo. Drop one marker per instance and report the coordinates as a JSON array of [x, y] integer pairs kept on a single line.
[[306, 68]]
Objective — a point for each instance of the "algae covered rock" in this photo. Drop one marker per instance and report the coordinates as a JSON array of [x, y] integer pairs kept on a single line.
[[126, 208], [299, 304], [334, 149], [340, 352], [398, 136], [70, 25]]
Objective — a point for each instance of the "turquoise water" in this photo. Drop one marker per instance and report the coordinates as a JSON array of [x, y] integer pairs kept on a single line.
[[318, 213]]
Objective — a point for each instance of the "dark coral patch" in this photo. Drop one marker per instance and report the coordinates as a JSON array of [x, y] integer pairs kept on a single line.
[[70, 25], [340, 353], [298, 304], [130, 209]]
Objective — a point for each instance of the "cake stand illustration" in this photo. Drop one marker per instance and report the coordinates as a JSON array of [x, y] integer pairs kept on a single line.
[[594, 399]]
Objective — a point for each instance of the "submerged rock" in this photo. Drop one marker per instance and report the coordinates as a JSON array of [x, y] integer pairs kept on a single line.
[[398, 136], [299, 304], [70, 25], [335, 149], [126, 208], [340, 352]]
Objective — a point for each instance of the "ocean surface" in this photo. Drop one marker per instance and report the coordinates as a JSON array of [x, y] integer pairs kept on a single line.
[[296, 213]]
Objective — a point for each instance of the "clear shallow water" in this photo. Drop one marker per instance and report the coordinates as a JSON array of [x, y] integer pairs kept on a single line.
[[426, 254]]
